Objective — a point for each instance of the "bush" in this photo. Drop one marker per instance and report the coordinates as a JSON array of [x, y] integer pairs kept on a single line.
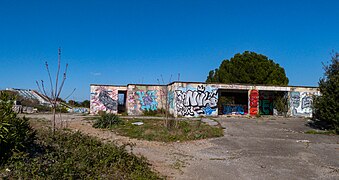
[[16, 135], [281, 104], [107, 121], [68, 155]]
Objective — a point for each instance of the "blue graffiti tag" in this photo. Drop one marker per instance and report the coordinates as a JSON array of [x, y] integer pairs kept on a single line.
[[170, 96], [233, 109], [148, 100], [208, 110]]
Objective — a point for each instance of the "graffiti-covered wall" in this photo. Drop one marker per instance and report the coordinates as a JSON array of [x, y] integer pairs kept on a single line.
[[145, 97], [301, 101], [104, 98], [195, 100], [198, 99]]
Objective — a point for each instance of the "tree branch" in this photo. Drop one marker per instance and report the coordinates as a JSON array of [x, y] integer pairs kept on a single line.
[[57, 75], [50, 80]]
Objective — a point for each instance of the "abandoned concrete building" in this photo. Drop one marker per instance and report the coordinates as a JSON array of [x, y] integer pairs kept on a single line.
[[193, 99]]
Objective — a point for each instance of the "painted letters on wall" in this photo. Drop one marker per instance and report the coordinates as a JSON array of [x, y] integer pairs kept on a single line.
[[197, 101], [266, 103], [104, 98], [142, 98], [234, 109], [148, 100], [301, 103], [254, 98]]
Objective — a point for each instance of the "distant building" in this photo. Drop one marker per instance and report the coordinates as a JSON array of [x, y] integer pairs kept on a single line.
[[31, 94], [194, 99]]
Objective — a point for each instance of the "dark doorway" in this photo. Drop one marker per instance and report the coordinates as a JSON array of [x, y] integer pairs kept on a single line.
[[270, 101], [233, 102], [266, 99], [122, 101]]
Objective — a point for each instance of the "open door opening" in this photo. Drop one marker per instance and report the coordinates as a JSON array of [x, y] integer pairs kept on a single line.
[[233, 102], [122, 101], [269, 102]]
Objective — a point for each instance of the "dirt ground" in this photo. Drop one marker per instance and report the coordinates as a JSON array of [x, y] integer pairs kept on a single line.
[[264, 148]]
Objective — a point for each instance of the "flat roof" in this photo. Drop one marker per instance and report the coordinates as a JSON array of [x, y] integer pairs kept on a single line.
[[202, 83]]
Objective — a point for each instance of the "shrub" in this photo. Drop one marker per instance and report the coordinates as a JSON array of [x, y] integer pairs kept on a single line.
[[281, 104], [150, 112], [15, 133], [68, 155], [107, 121]]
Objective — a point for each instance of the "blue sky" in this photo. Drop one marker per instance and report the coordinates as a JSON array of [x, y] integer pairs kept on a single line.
[[121, 42]]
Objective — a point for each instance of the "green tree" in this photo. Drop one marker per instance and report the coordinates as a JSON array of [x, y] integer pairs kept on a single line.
[[248, 67], [326, 106], [85, 103], [73, 103]]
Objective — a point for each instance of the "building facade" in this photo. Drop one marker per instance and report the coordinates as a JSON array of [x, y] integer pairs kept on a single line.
[[194, 99]]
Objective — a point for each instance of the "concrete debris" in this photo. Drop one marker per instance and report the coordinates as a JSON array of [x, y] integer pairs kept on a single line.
[[138, 123]]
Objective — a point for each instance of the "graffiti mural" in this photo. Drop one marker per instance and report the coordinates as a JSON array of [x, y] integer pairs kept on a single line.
[[195, 102], [148, 100], [266, 103], [78, 110], [301, 103], [104, 98], [145, 98], [254, 97], [170, 96], [234, 109]]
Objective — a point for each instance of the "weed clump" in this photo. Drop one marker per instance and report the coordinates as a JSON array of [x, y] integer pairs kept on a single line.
[[107, 121]]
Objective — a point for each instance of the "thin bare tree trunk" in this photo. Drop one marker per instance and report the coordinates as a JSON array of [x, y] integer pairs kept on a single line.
[[53, 123]]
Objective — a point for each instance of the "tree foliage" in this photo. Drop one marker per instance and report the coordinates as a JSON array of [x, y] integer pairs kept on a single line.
[[327, 105], [250, 68], [85, 103]]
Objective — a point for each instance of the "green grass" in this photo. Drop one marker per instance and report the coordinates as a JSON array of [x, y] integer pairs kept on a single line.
[[154, 130], [330, 132], [70, 155]]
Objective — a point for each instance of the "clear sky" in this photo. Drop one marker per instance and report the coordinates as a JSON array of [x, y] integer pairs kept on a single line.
[[122, 42]]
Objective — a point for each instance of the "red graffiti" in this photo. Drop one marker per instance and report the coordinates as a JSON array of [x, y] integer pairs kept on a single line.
[[254, 98]]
